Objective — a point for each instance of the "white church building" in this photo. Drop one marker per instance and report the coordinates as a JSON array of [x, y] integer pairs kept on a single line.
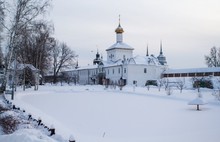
[[121, 66]]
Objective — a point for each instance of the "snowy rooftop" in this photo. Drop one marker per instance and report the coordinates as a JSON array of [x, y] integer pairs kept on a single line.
[[193, 70], [88, 67], [147, 60], [139, 60], [22, 66], [120, 45], [111, 64]]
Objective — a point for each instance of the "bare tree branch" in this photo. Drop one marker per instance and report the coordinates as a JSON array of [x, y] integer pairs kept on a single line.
[[213, 60], [63, 57]]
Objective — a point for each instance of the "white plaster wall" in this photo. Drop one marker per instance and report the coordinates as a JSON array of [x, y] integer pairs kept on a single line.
[[136, 73], [120, 53], [83, 77], [113, 75]]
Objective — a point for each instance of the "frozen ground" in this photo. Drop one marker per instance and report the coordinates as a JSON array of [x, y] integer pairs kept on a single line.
[[95, 114]]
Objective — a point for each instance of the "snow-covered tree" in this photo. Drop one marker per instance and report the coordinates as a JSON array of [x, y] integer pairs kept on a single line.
[[159, 83], [166, 83], [180, 84], [216, 91]]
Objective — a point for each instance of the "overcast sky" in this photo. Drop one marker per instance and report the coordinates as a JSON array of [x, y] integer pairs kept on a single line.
[[187, 28]]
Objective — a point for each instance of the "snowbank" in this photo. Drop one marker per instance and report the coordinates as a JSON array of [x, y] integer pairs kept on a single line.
[[26, 135]]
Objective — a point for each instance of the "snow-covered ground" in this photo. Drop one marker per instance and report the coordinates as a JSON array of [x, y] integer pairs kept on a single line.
[[96, 114]]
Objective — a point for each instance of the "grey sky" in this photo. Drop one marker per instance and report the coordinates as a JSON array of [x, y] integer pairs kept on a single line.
[[187, 28]]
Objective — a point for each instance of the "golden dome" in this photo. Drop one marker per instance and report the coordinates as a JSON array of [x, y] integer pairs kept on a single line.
[[119, 29]]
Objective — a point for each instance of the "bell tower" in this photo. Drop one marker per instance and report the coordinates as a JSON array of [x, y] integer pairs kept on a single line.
[[119, 50]]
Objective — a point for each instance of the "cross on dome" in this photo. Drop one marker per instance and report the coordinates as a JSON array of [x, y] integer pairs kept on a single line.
[[119, 29]]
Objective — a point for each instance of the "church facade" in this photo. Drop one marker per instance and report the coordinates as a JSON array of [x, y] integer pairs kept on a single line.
[[121, 66]]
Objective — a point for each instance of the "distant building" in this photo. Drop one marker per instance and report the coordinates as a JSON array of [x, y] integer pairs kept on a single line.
[[188, 77], [193, 72], [19, 74], [121, 66]]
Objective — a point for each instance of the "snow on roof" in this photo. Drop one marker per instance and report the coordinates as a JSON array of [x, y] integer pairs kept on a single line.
[[81, 68], [192, 70], [21, 66], [143, 60], [120, 45], [111, 64], [88, 67], [147, 60]]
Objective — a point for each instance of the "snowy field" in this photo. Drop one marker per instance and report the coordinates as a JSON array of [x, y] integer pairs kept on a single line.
[[95, 114]]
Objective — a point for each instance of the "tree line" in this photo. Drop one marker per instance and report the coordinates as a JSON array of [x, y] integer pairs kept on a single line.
[[28, 37]]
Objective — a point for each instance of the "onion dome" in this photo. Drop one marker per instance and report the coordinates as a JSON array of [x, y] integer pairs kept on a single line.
[[119, 29]]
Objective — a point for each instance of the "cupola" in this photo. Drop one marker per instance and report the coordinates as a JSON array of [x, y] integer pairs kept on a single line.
[[119, 29]]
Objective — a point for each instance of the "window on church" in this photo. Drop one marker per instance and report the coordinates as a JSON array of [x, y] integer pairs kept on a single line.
[[113, 71], [118, 70], [134, 82], [124, 70], [145, 70], [108, 71]]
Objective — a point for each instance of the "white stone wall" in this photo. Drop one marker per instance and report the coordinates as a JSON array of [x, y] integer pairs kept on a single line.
[[113, 73], [120, 54], [85, 75], [136, 73]]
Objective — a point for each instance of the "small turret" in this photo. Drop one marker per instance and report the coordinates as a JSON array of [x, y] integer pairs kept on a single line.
[[77, 64], [97, 60], [147, 54], [161, 58]]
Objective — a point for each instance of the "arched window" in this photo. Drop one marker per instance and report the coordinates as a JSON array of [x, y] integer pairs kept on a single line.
[[145, 70]]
